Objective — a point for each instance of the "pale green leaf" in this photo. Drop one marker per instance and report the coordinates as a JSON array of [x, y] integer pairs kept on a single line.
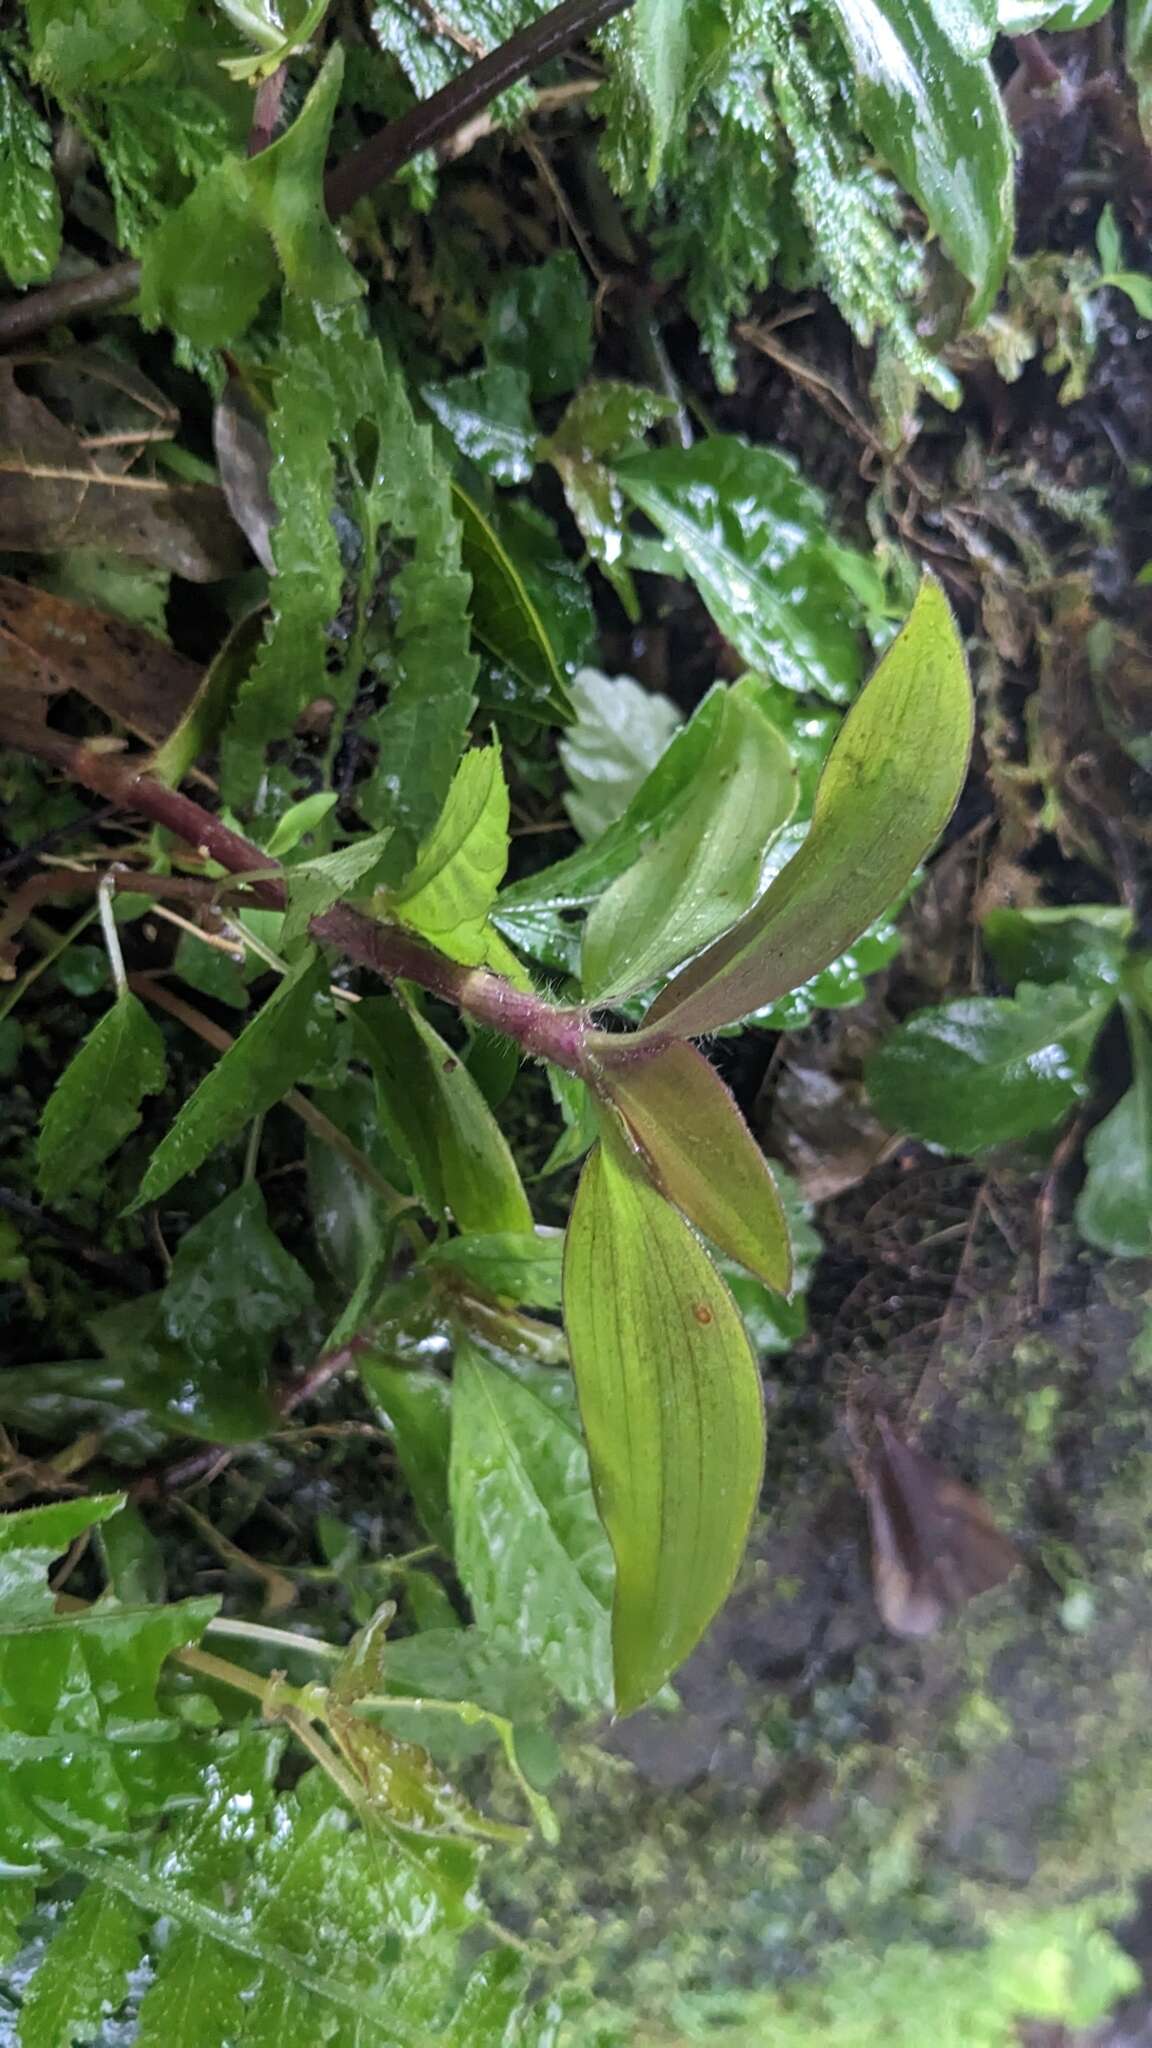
[[886, 793], [414, 1405], [620, 732], [529, 1547], [672, 1411], [459, 868], [297, 821], [96, 1101], [515, 1265], [692, 880], [267, 1059]]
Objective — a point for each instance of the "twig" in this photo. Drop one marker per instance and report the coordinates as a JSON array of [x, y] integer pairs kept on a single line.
[[425, 125]]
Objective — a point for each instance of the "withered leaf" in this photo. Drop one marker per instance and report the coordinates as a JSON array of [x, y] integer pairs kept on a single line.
[[50, 645], [56, 492], [934, 1542]]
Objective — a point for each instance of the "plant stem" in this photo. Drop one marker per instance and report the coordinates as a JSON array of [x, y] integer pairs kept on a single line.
[[430, 121], [279, 1638]]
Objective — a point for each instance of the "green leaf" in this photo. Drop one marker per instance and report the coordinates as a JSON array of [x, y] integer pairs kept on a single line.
[[603, 420], [937, 118], [29, 200], [489, 417], [620, 732], [297, 821], [540, 322], [694, 879], [250, 212], [1027, 17], [460, 866], [753, 537], [1138, 57], [31, 1540], [415, 1405], [1084, 943], [661, 56], [204, 720], [231, 1289], [672, 1411], [517, 1265], [1135, 287], [439, 1121], [96, 1101], [86, 1972], [702, 1156], [505, 617], [157, 1378], [529, 1548], [986, 1069], [268, 1058], [1114, 1211], [313, 886], [1109, 247], [775, 1325], [886, 793], [82, 47]]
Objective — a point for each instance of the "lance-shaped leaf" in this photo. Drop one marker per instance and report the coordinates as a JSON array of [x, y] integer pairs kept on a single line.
[[453, 885], [887, 791], [96, 1101], [1115, 1206], [265, 1061], [693, 879], [702, 1155], [671, 1404], [439, 1121]]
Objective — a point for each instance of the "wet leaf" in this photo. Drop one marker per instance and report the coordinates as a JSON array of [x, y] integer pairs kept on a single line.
[[489, 417], [671, 1406], [775, 1324], [1114, 1211], [1085, 944], [661, 55], [619, 734], [1027, 17], [506, 619], [987, 1069], [460, 866], [704, 1158], [752, 535], [887, 791], [439, 1122], [605, 420], [96, 1101], [86, 1972], [415, 1405], [695, 877], [519, 1266], [29, 200], [529, 1547], [210, 708], [232, 1288], [268, 1058], [935, 114], [540, 322], [166, 1383]]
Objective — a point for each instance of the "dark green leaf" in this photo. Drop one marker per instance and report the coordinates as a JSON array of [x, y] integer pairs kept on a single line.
[[1085, 944], [937, 118], [415, 1405], [231, 1290], [540, 321], [351, 1220], [29, 201], [887, 791], [692, 880], [268, 1058], [1115, 1206], [521, 1266], [604, 420], [529, 1547], [162, 1380], [81, 47], [986, 1069], [489, 417], [86, 1972], [752, 535], [439, 1121], [505, 617], [775, 1325], [704, 1158], [671, 1405], [96, 1101]]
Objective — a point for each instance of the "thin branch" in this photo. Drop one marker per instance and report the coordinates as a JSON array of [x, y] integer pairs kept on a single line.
[[428, 123]]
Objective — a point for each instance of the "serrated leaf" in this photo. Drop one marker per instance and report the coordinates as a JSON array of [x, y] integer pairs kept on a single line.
[[266, 212], [81, 47], [662, 52], [460, 866], [85, 1973], [987, 1069], [268, 1058], [518, 1265], [704, 1158], [886, 793], [415, 1405], [29, 200], [313, 886], [937, 118], [672, 1411], [505, 617], [752, 535], [231, 1289], [96, 1101], [439, 1122], [1114, 1210], [489, 417], [529, 1547], [695, 877], [31, 1539]]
